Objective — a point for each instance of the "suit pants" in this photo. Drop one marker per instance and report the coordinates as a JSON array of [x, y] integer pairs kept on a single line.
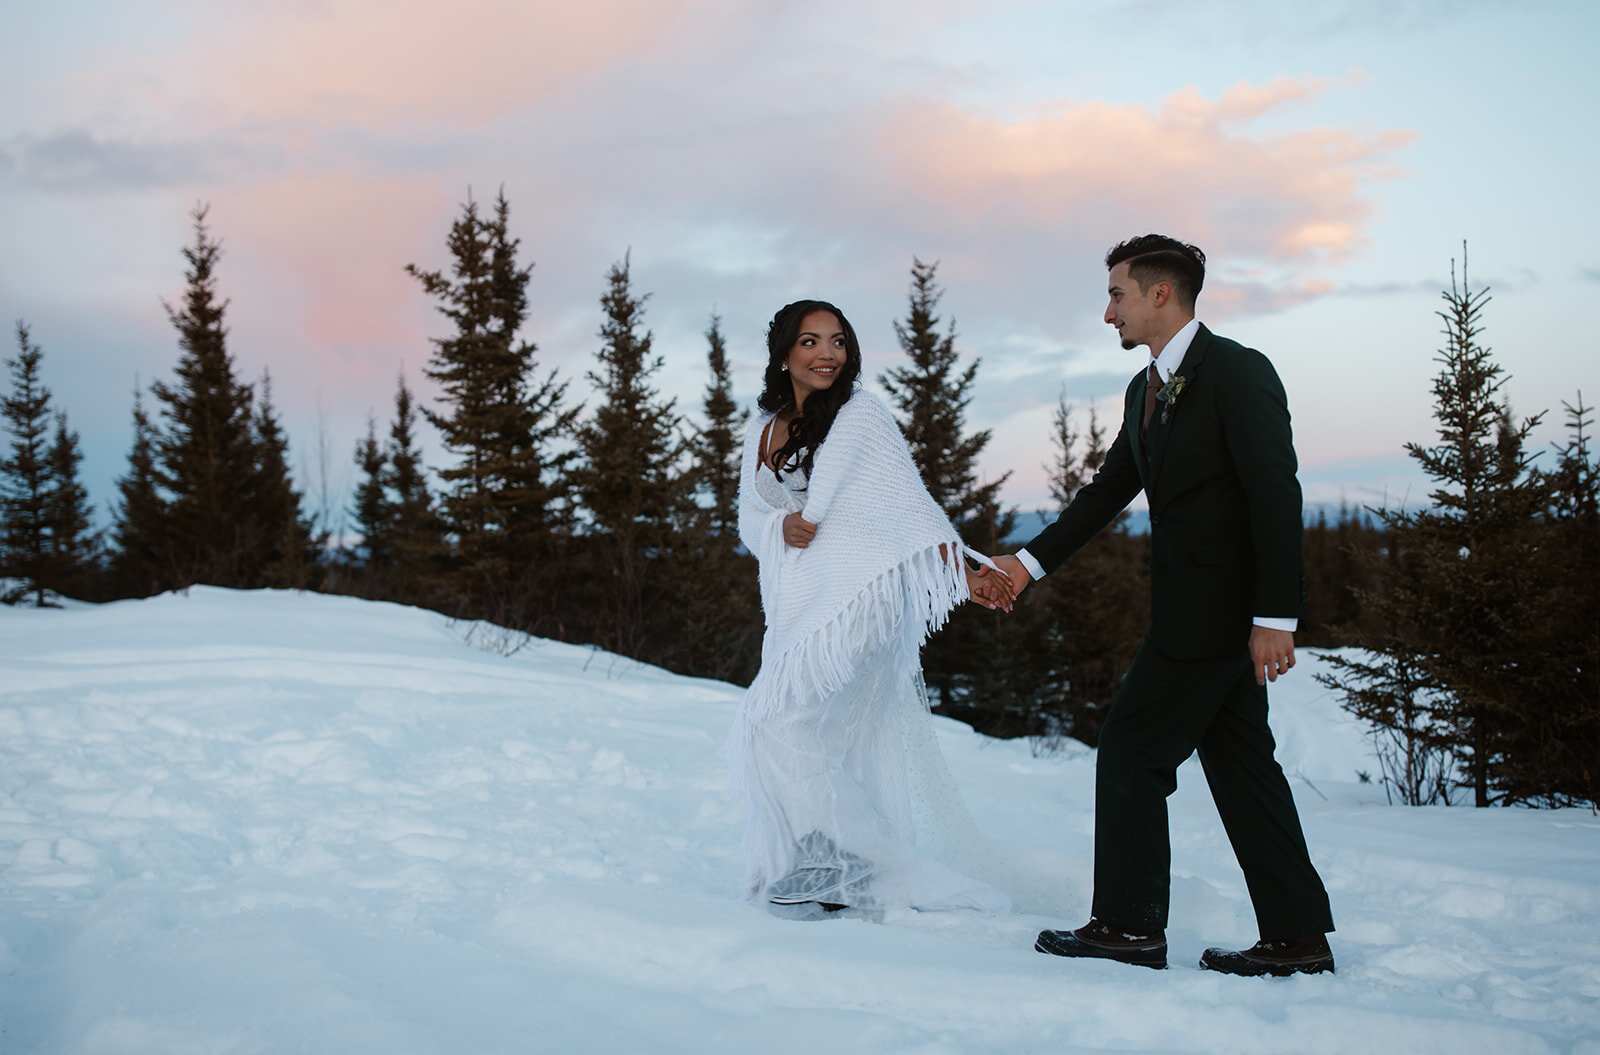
[[1166, 710]]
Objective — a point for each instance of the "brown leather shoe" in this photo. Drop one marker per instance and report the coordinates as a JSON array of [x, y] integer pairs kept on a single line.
[[1279, 958], [1106, 942]]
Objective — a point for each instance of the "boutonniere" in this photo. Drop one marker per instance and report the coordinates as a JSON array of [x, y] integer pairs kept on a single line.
[[1169, 396]]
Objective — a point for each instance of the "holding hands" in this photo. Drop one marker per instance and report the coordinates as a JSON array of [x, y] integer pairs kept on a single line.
[[998, 589], [1014, 571], [990, 589]]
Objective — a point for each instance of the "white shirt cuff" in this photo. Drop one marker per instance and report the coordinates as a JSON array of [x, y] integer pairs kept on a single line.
[[1029, 563]]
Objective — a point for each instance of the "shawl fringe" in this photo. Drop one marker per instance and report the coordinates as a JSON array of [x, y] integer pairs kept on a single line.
[[923, 589]]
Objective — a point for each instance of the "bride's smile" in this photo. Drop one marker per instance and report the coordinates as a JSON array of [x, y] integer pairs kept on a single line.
[[817, 355]]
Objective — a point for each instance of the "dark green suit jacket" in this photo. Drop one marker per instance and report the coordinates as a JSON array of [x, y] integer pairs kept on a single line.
[[1225, 526]]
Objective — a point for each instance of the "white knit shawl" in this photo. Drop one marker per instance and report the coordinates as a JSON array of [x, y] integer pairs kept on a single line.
[[873, 564]]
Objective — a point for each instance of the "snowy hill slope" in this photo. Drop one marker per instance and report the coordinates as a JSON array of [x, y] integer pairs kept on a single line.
[[272, 822]]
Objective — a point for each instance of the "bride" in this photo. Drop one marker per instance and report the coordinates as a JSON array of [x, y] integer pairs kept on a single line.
[[833, 740]]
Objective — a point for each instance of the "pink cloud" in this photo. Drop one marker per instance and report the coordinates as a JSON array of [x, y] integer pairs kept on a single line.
[[1245, 100], [1185, 166], [390, 63]]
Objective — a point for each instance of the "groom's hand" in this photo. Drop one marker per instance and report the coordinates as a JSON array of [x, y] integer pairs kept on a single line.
[[1271, 653], [989, 589], [1014, 571]]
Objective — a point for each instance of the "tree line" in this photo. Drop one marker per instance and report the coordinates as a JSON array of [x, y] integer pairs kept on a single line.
[[612, 522]]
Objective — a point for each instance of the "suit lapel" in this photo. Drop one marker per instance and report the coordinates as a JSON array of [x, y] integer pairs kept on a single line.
[[1133, 425], [1161, 435]]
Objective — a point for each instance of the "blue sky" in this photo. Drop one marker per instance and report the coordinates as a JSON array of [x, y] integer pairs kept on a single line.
[[1330, 158]]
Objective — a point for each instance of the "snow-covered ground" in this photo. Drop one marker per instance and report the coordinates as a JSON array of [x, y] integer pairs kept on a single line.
[[277, 822]]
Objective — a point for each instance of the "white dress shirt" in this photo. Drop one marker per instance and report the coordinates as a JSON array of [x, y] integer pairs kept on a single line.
[[1167, 361]]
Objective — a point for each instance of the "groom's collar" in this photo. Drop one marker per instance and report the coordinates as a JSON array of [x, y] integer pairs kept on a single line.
[[1171, 357]]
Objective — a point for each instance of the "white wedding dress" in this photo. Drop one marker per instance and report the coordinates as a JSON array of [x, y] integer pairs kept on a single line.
[[840, 785]]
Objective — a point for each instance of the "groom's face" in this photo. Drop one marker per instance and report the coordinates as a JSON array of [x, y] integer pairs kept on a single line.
[[1131, 310]]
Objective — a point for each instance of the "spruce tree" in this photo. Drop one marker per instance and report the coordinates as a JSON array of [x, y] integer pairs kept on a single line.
[[718, 445], [207, 451], [141, 560], [1481, 582], [73, 557], [538, 456], [416, 538], [1063, 474], [1577, 487], [282, 546], [25, 476], [628, 480], [1468, 587], [1069, 468], [931, 394], [1091, 613], [506, 500], [717, 616], [402, 541], [370, 508], [1553, 753], [475, 369]]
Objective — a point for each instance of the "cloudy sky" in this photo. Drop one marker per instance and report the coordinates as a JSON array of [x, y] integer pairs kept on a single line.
[[1330, 158]]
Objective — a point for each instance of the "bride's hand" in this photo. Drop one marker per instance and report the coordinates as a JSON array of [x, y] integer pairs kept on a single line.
[[798, 531], [990, 588]]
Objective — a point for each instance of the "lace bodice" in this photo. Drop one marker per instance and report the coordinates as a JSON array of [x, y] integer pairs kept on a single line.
[[787, 493]]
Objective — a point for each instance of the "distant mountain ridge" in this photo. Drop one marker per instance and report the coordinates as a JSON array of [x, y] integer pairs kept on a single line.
[[1031, 522]]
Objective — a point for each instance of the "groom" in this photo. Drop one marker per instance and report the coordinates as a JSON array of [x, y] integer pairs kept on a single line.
[[1205, 435]]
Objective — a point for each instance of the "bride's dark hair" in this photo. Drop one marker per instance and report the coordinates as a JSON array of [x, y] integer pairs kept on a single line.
[[807, 431]]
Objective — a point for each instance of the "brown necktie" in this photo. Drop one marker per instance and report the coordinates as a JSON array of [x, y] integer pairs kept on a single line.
[[1151, 387]]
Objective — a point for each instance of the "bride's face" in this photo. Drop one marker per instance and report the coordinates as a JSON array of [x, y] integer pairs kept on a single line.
[[817, 356]]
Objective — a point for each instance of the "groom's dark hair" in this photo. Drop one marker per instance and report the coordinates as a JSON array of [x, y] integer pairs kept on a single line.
[[1157, 258]]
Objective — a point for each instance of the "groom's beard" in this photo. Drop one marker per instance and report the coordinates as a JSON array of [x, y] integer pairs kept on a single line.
[[1128, 345]]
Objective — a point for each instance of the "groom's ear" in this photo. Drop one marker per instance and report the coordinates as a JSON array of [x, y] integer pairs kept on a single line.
[[1162, 293]]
